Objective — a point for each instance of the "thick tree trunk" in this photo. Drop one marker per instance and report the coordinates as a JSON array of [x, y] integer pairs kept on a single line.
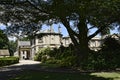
[[82, 49], [81, 42]]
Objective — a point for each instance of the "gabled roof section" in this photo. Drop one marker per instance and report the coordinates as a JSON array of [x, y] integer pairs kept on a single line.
[[4, 52]]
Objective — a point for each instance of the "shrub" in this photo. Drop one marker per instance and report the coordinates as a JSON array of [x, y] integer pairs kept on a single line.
[[69, 61], [95, 61], [53, 61], [111, 52], [105, 59], [42, 54], [102, 61], [8, 61], [44, 59]]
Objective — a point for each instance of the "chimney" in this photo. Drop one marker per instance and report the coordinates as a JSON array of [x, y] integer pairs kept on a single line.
[[59, 29], [51, 28]]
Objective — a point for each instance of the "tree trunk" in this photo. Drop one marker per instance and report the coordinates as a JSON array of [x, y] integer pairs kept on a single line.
[[81, 42], [82, 48]]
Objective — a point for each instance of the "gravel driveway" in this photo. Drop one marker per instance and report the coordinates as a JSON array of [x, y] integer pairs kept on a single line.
[[7, 72]]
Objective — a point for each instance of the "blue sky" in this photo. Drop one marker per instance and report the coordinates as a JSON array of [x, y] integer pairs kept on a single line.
[[2, 26], [55, 27]]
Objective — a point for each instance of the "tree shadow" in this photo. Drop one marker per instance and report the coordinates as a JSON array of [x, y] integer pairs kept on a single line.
[[37, 75], [38, 72]]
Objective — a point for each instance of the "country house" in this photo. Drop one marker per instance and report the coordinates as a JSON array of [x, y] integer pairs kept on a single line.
[[48, 38]]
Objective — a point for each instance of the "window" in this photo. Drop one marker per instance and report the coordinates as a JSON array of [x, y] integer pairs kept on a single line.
[[52, 38], [40, 40]]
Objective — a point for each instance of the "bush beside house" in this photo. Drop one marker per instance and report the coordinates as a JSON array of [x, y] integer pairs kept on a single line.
[[8, 61], [105, 59]]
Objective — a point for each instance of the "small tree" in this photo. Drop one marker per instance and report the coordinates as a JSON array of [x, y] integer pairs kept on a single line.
[[12, 47], [3, 40]]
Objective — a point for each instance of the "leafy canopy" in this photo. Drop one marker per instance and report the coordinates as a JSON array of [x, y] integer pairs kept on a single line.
[[27, 15]]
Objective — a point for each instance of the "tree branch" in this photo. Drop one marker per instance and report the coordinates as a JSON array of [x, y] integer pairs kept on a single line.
[[97, 32], [37, 7], [70, 31]]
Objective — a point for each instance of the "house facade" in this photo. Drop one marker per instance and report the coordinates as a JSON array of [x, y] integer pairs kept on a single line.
[[24, 50], [45, 39], [48, 38]]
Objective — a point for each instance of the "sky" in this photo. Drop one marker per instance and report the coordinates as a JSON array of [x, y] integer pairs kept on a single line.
[[2, 26], [55, 27]]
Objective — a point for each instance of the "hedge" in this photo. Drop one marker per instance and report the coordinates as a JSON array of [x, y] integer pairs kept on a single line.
[[8, 61]]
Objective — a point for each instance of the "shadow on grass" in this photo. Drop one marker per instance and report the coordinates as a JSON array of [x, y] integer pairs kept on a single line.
[[45, 72], [36, 75]]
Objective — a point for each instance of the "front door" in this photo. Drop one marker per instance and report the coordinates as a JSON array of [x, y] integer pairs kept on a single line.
[[28, 55]]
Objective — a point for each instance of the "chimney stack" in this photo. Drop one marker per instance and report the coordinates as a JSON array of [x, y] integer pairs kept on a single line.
[[51, 28], [59, 29]]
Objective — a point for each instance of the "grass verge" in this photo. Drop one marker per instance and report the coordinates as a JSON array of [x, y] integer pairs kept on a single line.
[[112, 75]]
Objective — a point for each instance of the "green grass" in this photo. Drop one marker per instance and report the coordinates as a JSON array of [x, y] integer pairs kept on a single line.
[[49, 65], [37, 75], [113, 75]]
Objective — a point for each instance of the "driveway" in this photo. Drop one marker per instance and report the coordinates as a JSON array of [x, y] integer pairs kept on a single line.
[[7, 72]]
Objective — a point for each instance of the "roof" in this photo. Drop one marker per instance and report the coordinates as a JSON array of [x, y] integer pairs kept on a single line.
[[24, 43], [48, 32], [66, 37], [96, 38], [115, 35], [4, 52]]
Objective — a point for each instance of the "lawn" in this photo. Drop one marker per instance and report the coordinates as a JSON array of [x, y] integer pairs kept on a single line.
[[37, 75], [44, 75], [112, 75]]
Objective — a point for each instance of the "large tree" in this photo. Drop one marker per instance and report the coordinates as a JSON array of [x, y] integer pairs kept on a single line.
[[100, 14]]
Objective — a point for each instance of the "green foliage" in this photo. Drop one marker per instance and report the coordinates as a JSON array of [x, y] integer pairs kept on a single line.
[[111, 44], [95, 61], [69, 61], [111, 51], [12, 47], [105, 59], [3, 40], [52, 60], [67, 53], [44, 58], [42, 54], [63, 56], [8, 61]]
